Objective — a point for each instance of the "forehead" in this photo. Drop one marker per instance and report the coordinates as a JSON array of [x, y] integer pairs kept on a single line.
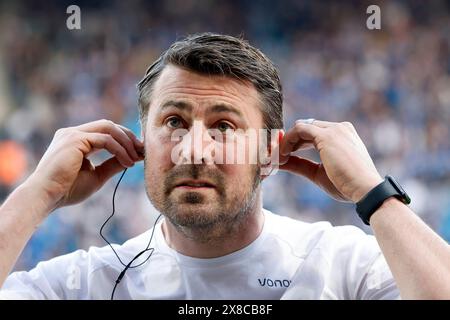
[[175, 82]]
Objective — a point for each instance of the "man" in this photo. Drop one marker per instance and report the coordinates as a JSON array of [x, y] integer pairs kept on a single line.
[[216, 241]]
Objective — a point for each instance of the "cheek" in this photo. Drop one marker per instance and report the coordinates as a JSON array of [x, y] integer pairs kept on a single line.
[[237, 176]]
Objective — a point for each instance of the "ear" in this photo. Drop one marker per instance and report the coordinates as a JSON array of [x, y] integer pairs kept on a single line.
[[142, 138], [271, 164]]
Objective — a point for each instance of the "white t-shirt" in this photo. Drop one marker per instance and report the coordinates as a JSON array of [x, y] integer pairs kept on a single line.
[[289, 260]]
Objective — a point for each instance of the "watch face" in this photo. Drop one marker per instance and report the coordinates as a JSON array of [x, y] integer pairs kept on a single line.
[[404, 196]]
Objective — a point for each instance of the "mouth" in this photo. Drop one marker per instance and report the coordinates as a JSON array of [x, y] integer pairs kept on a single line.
[[194, 185]]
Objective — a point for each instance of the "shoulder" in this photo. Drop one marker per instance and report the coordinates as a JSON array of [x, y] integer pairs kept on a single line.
[[69, 276], [85, 262], [106, 256]]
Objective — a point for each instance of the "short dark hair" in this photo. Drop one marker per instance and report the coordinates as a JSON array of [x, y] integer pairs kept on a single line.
[[216, 54]]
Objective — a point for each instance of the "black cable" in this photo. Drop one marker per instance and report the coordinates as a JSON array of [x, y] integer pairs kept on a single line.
[[122, 274], [127, 266], [113, 211]]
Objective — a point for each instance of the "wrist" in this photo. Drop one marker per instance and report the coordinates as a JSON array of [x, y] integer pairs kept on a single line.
[[387, 205], [33, 197], [377, 197], [21, 213], [369, 184]]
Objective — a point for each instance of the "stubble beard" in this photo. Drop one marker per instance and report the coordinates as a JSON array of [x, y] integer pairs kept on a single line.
[[204, 218]]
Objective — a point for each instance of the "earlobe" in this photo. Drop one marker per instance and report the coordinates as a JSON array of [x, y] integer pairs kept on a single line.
[[275, 142], [141, 150], [281, 159], [281, 134], [271, 163]]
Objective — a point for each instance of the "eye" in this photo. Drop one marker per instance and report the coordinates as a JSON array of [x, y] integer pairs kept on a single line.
[[224, 126], [174, 122]]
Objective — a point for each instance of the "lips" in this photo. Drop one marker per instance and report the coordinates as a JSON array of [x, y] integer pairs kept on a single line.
[[194, 184]]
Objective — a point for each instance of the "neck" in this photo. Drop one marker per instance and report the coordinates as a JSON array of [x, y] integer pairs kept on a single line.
[[239, 236]]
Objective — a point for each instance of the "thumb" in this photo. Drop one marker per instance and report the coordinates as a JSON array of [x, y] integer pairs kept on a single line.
[[301, 166], [108, 169]]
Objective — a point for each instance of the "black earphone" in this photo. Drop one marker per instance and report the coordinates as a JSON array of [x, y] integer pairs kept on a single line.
[[127, 266]]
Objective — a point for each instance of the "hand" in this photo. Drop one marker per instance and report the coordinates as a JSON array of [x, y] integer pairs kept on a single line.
[[65, 174], [346, 172]]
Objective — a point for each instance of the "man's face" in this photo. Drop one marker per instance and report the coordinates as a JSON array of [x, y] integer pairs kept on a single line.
[[195, 192]]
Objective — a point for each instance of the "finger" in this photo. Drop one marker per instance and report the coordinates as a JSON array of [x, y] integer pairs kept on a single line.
[[106, 141], [131, 134], [108, 169], [311, 170], [301, 135], [87, 165], [301, 166], [138, 143], [282, 159], [318, 123], [109, 127]]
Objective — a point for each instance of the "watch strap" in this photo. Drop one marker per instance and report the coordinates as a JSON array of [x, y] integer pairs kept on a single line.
[[375, 198]]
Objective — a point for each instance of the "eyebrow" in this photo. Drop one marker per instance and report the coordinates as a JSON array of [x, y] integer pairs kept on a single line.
[[217, 108], [226, 108], [181, 105]]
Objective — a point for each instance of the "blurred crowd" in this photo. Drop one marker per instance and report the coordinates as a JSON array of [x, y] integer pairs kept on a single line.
[[393, 84]]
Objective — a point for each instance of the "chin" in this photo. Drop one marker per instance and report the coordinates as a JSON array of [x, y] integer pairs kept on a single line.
[[196, 209], [193, 214]]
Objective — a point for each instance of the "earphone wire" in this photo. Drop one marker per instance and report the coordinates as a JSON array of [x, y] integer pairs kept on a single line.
[[109, 218], [147, 248]]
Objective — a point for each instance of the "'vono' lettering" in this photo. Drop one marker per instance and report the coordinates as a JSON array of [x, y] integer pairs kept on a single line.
[[265, 282]]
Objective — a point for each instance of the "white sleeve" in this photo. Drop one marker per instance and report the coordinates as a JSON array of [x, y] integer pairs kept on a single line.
[[355, 268], [369, 276], [63, 277]]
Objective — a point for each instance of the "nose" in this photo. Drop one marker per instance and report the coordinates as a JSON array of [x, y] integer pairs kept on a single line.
[[197, 146]]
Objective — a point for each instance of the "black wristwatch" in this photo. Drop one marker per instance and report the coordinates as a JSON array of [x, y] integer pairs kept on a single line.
[[375, 198]]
